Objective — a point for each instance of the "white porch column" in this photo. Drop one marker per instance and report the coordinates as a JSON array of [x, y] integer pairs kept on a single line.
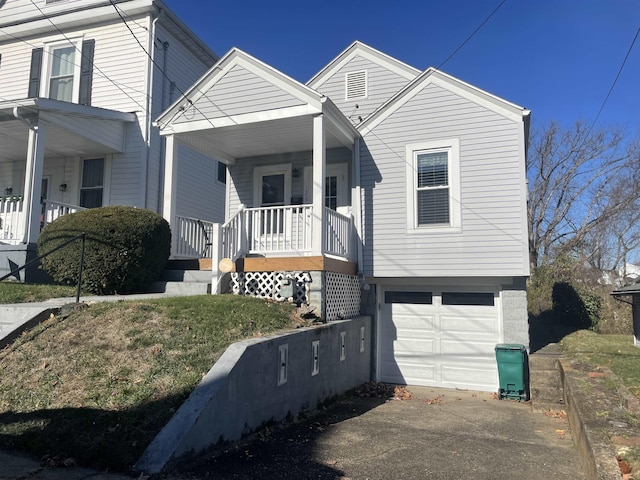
[[170, 186], [319, 167], [33, 181]]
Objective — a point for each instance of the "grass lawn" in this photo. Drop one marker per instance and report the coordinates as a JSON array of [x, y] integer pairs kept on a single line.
[[614, 351], [12, 292], [96, 385]]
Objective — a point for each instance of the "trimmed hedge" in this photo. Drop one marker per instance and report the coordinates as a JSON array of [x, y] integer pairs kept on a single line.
[[126, 248]]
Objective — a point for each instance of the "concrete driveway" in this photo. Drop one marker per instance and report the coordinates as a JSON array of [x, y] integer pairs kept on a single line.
[[436, 434]]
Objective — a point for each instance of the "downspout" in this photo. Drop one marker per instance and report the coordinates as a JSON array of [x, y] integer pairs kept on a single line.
[[163, 144], [149, 120], [358, 213]]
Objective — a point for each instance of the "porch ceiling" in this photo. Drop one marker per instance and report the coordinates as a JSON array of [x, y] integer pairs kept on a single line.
[[286, 135], [79, 131]]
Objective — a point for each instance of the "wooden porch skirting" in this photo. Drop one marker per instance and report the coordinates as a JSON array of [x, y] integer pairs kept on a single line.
[[292, 264]]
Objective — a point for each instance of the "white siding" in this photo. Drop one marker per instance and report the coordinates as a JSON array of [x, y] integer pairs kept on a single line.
[[17, 11], [183, 68], [492, 240], [238, 92], [382, 85], [199, 195]]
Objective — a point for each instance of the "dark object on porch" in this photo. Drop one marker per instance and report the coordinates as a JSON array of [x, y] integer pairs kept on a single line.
[[126, 249], [207, 239], [512, 371]]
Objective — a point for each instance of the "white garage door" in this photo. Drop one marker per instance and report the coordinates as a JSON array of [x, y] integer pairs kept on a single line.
[[440, 338]]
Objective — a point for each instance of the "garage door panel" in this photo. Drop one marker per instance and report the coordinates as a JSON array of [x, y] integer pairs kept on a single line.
[[472, 323], [467, 349], [464, 376], [439, 345], [413, 347]]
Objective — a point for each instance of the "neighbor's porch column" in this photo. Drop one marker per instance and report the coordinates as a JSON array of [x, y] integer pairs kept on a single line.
[[319, 168], [170, 186], [33, 181]]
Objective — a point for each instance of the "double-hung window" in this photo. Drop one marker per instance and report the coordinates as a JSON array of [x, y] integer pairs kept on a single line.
[[63, 71], [92, 188], [433, 187]]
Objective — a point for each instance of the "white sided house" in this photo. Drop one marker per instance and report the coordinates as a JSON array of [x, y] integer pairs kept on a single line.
[[374, 188], [80, 83]]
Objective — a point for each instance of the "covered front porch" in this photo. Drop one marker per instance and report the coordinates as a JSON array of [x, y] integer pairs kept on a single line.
[[293, 199], [52, 162], [292, 170]]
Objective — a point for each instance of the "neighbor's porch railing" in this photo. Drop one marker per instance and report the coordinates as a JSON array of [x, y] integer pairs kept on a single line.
[[11, 219], [54, 210]]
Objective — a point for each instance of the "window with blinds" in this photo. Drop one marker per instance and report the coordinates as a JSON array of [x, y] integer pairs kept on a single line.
[[432, 203]]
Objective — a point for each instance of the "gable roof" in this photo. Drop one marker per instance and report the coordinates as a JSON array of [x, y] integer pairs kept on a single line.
[[359, 48], [287, 96], [432, 76]]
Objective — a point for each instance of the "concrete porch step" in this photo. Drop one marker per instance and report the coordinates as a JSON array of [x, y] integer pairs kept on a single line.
[[198, 276], [545, 378], [190, 264], [179, 288]]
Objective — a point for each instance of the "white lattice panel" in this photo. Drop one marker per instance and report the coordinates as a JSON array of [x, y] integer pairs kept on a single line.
[[342, 296], [271, 285]]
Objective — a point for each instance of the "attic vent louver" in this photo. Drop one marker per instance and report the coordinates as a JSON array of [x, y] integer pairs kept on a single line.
[[356, 83]]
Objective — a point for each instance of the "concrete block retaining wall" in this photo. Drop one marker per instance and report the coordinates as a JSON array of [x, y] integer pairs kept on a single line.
[[249, 386]]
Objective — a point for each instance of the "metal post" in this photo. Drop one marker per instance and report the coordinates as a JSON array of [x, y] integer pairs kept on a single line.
[[84, 238]]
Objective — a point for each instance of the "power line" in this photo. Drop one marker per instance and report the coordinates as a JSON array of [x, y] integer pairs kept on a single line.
[[99, 73], [615, 81], [79, 50], [161, 70], [472, 34]]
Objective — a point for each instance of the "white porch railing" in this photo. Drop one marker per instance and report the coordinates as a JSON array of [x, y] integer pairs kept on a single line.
[[280, 229], [338, 233], [11, 219], [191, 237], [233, 236], [53, 210]]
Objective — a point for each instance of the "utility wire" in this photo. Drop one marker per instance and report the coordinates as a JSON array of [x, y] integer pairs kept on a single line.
[[472, 34], [94, 65], [99, 73], [614, 82], [161, 70]]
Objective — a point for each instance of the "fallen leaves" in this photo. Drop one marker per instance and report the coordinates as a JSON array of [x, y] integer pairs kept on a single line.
[[561, 414], [383, 390], [560, 434]]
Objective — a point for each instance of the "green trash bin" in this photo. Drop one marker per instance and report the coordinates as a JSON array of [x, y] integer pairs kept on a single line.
[[513, 371]]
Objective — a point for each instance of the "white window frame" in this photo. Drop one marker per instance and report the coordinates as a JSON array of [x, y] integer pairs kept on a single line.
[[106, 179], [452, 147], [47, 65]]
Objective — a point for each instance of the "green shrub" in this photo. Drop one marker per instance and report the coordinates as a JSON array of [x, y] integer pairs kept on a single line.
[[126, 248]]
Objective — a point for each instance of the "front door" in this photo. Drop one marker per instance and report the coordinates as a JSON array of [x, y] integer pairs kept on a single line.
[[272, 189], [335, 189]]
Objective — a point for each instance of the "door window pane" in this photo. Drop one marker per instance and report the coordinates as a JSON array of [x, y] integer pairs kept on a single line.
[[331, 193], [273, 190]]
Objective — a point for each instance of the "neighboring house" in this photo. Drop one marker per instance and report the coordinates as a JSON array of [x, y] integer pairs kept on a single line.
[[78, 93], [374, 188]]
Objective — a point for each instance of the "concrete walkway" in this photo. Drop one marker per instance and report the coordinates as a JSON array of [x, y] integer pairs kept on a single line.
[[437, 434], [18, 317]]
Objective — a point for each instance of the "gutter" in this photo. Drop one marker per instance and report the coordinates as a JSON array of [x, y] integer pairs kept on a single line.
[[148, 107]]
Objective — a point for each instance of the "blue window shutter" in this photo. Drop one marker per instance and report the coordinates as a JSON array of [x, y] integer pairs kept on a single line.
[[36, 71], [86, 72]]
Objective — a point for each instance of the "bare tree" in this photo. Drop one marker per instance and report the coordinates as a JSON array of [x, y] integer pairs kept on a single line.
[[581, 182]]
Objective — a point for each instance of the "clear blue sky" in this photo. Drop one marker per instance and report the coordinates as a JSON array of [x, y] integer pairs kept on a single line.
[[555, 57]]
